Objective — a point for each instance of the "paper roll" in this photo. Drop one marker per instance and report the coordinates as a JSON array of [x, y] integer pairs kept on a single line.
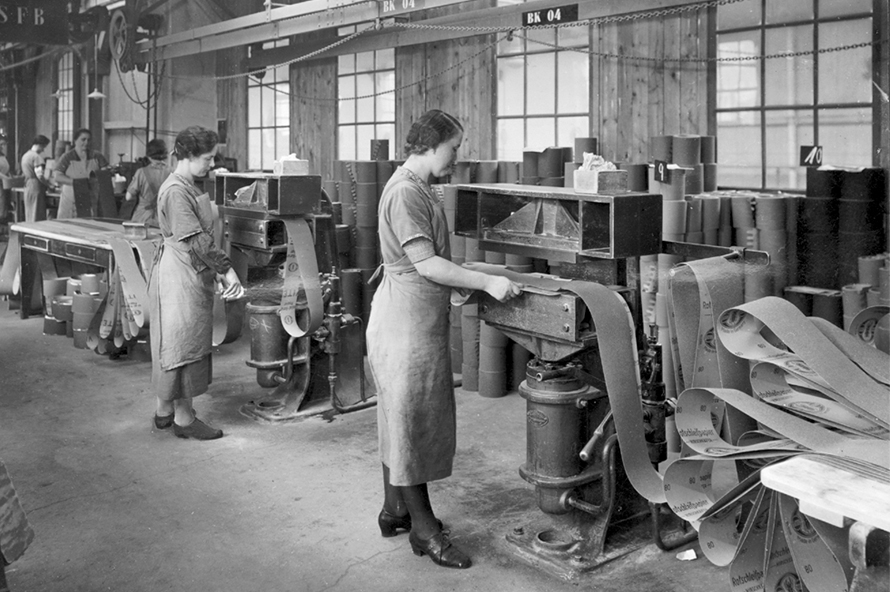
[[472, 250], [710, 212], [711, 237], [72, 287], [868, 269], [758, 282], [686, 149], [742, 216], [530, 164], [486, 171], [696, 238], [724, 237], [694, 214], [747, 237], [709, 149], [827, 305], [661, 148], [551, 162], [709, 177], [824, 182], [882, 334], [801, 299], [673, 219], [495, 257], [509, 171], [637, 177], [552, 181], [872, 297], [818, 215], [774, 243], [769, 212], [583, 145], [695, 179], [884, 282], [853, 300]]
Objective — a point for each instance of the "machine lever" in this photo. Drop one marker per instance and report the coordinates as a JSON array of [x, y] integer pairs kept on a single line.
[[587, 452]]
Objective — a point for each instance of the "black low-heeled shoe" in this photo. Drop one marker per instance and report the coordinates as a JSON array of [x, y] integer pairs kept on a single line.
[[440, 550], [389, 523]]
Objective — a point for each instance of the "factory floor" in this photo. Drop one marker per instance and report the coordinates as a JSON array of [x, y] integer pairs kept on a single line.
[[118, 505]]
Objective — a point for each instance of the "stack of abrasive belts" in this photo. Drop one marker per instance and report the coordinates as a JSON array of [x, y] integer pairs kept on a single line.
[[760, 383], [355, 192], [489, 362]]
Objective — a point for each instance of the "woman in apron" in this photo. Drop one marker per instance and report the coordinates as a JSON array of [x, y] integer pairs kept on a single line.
[[187, 268], [408, 332], [146, 182], [79, 163], [35, 187]]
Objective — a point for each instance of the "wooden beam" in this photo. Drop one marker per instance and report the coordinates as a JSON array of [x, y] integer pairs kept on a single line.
[[233, 32]]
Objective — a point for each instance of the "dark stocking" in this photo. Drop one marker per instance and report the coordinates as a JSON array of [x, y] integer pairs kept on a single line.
[[392, 500], [423, 521]]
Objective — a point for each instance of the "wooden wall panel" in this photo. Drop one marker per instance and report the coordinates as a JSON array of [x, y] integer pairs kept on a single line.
[[314, 122], [231, 104]]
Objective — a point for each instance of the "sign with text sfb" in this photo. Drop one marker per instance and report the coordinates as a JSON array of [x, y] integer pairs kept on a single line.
[[43, 22], [549, 16]]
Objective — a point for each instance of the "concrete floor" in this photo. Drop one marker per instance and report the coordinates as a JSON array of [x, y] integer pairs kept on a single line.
[[117, 505]]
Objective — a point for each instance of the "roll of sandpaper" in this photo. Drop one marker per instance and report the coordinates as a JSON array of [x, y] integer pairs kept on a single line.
[[747, 237], [508, 171], [709, 177], [365, 257], [695, 179], [725, 211], [492, 384], [552, 181], [873, 296], [694, 215], [351, 291], [495, 257], [711, 236], [856, 215], [53, 288], [884, 283], [531, 181], [366, 215], [769, 212], [742, 216], [518, 363], [852, 245], [637, 177], [519, 263], [802, 299], [385, 170], [818, 260], [347, 199], [673, 219], [696, 238], [827, 305], [853, 299], [818, 215], [661, 148], [710, 212], [330, 188], [758, 282], [583, 145], [686, 149], [551, 162], [493, 359], [362, 171], [379, 149], [472, 250], [868, 269], [461, 173], [673, 191], [530, 164], [824, 182], [724, 237], [709, 149], [867, 184], [487, 171]]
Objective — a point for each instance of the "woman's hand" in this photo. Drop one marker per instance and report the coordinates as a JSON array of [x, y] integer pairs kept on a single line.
[[501, 288], [229, 285]]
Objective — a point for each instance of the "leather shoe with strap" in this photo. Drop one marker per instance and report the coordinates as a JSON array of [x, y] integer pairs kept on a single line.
[[197, 430], [440, 550], [389, 523]]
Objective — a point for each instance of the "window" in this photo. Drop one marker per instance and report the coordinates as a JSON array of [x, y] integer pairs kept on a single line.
[[367, 106], [767, 109], [65, 97], [268, 115], [543, 92]]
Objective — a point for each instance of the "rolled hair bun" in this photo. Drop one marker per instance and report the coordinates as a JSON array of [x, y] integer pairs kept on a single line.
[[156, 149], [433, 128], [194, 141]]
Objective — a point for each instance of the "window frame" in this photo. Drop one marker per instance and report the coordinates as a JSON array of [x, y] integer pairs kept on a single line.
[[354, 122], [274, 88], [762, 108]]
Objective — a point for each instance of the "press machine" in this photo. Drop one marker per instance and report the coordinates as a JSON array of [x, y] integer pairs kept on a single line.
[[322, 368], [593, 514]]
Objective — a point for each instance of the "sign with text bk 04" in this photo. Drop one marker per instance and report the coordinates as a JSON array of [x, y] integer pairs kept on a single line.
[[390, 7], [550, 16], [42, 22]]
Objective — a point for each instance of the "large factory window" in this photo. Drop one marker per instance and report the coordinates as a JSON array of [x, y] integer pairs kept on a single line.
[[543, 90], [779, 89], [64, 94], [268, 115], [366, 108]]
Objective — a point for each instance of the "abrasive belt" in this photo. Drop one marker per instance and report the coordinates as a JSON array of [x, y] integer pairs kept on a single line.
[[228, 318], [616, 343], [133, 286], [10, 273], [815, 360], [300, 271]]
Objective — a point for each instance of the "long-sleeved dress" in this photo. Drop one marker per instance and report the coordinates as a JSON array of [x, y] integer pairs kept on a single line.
[[181, 291], [144, 186], [408, 340]]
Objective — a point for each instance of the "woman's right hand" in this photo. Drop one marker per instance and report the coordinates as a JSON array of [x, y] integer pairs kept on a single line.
[[502, 289], [231, 285]]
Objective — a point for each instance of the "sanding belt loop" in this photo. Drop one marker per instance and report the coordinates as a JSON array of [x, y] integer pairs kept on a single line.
[[300, 271]]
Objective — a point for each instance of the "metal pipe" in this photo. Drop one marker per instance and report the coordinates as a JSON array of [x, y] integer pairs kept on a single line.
[[657, 524], [608, 483], [587, 451]]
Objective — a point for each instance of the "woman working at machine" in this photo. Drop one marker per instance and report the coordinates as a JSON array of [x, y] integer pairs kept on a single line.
[[187, 268], [407, 333], [147, 181], [79, 163]]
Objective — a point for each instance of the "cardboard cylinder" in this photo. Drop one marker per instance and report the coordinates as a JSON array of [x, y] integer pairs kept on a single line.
[[673, 219], [379, 149], [509, 171], [694, 221], [530, 164], [331, 188], [802, 300], [491, 337], [351, 291], [709, 177], [637, 177], [709, 149], [769, 212], [53, 326], [492, 384], [472, 250], [72, 287], [827, 305], [583, 145], [686, 149], [495, 257], [461, 173], [869, 267], [361, 171], [742, 216], [487, 171], [469, 378], [873, 296], [661, 148]]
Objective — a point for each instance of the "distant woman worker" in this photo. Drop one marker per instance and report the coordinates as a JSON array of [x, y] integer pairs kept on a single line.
[[4, 185], [146, 182], [187, 268], [408, 331], [35, 186], [81, 162]]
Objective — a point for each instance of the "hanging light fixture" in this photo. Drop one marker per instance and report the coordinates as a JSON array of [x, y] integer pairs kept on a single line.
[[96, 94]]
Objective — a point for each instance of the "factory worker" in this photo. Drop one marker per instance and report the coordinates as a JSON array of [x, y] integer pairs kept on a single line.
[[408, 332]]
